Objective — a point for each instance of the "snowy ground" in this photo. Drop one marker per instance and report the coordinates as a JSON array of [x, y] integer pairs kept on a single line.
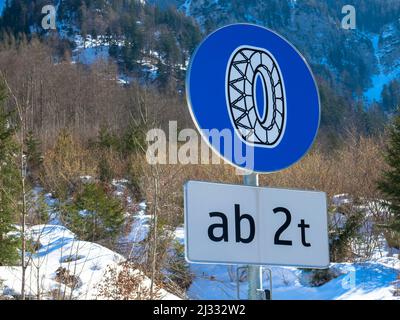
[[376, 279], [88, 50], [383, 77], [60, 248]]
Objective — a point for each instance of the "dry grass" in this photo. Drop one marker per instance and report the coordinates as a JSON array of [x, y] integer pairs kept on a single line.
[[65, 163], [126, 282], [354, 169]]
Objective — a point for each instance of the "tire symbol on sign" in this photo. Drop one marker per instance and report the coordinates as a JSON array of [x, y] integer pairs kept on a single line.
[[246, 68]]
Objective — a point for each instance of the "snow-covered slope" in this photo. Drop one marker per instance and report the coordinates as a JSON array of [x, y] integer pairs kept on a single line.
[[59, 248], [372, 281], [376, 279], [387, 51], [88, 50]]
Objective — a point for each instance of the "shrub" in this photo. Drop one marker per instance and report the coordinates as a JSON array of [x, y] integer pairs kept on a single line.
[[178, 268], [319, 277], [64, 164], [64, 276], [341, 238], [126, 282]]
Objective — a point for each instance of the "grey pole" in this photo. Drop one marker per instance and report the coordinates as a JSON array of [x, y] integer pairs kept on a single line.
[[254, 272]]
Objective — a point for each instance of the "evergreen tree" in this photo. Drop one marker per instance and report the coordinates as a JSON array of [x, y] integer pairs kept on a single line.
[[9, 188], [94, 214], [390, 182], [106, 140], [167, 44], [134, 138]]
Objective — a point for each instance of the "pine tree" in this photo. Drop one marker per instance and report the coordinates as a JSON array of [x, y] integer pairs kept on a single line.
[[9, 188], [94, 214], [390, 182]]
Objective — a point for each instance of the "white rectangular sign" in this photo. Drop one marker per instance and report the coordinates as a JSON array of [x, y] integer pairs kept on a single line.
[[234, 224]]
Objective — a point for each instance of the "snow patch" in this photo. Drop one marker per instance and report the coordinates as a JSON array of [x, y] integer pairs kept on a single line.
[[59, 247]]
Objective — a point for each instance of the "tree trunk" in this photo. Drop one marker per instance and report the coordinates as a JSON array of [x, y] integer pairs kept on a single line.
[[23, 228], [153, 271]]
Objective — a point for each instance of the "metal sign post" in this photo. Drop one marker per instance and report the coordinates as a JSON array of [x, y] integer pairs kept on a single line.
[[253, 272]]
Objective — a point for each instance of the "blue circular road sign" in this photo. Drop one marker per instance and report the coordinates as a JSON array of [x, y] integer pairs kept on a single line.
[[246, 80]]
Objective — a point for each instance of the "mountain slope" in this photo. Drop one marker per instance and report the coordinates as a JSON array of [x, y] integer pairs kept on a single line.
[[135, 33], [347, 57]]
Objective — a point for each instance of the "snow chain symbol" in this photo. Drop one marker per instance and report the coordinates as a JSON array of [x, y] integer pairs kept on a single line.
[[246, 65]]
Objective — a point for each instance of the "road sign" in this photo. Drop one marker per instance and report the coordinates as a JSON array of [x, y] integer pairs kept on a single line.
[[250, 80], [234, 224]]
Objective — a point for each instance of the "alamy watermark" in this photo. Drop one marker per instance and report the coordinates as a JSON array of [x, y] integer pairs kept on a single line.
[[49, 20], [349, 20], [187, 147]]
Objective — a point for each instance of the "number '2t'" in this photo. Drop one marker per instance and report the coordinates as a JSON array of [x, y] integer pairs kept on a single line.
[[302, 225]]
